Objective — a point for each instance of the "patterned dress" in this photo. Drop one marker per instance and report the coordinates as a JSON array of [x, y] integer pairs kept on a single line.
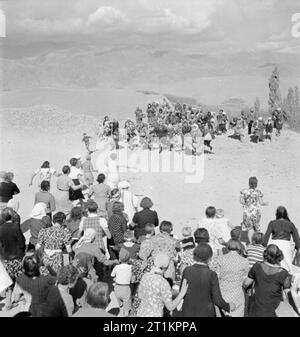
[[161, 243], [154, 291], [251, 214], [52, 239], [232, 272]]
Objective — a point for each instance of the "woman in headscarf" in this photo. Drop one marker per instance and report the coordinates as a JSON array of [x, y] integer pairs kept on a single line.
[[282, 230], [155, 292], [141, 218], [52, 240], [128, 199], [87, 245], [251, 200], [117, 225], [38, 220], [7, 189]]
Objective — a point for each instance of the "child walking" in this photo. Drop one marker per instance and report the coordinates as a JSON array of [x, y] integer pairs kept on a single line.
[[122, 275]]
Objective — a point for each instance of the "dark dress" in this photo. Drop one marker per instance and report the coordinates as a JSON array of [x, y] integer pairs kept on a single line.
[[117, 225], [54, 305], [146, 216], [12, 248], [203, 292], [38, 288], [16, 219], [268, 285]]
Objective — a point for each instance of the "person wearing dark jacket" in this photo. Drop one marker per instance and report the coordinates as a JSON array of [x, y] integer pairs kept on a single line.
[[281, 231], [204, 292], [141, 218]]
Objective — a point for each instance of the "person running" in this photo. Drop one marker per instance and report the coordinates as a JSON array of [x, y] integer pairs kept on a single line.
[[45, 172], [251, 200]]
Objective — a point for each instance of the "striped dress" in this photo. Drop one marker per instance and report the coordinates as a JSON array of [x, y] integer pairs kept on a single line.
[[255, 254]]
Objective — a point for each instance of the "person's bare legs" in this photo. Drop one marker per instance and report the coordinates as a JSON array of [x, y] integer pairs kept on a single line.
[[250, 233]]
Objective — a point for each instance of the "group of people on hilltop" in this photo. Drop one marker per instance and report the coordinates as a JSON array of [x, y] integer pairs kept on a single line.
[[260, 129], [172, 126], [169, 126], [94, 250]]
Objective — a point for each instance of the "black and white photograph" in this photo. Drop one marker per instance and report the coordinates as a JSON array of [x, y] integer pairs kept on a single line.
[[149, 161]]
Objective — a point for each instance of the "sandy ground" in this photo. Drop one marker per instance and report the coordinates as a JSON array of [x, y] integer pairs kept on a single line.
[[226, 172], [27, 140]]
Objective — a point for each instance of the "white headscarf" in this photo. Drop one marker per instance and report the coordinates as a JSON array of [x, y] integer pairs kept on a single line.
[[39, 211], [123, 184], [88, 237]]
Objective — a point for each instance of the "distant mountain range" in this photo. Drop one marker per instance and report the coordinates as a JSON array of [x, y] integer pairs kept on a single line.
[[135, 67]]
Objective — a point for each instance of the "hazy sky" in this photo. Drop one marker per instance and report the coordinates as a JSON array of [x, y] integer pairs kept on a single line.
[[194, 25]]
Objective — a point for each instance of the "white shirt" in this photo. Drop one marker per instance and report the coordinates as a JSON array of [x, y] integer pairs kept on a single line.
[[223, 229], [210, 225], [130, 202], [122, 273], [75, 172]]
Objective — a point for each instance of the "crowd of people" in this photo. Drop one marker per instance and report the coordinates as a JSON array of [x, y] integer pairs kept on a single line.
[[90, 249], [169, 126]]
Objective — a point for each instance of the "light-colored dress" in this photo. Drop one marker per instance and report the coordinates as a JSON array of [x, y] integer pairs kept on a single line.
[[251, 209], [130, 202], [154, 291], [233, 270], [113, 176], [101, 194], [160, 243], [62, 201], [88, 168]]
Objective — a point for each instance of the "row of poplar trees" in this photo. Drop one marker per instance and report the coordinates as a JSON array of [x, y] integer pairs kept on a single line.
[[290, 104]]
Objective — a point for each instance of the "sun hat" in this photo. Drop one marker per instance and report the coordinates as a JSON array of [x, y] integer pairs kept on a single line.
[[123, 184]]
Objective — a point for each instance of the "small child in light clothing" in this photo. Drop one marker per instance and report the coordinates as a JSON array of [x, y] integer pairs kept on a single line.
[[122, 275], [222, 227]]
